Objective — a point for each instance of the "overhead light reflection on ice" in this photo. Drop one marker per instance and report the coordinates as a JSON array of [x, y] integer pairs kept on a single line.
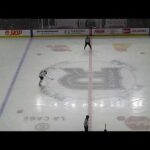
[[101, 104], [39, 101], [55, 104], [39, 104], [84, 105], [73, 105], [95, 104], [137, 102]]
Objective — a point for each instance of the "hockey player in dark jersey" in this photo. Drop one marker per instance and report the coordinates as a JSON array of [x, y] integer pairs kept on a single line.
[[42, 74], [86, 123], [88, 42]]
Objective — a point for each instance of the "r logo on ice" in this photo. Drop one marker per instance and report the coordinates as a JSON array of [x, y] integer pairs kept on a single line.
[[106, 79]]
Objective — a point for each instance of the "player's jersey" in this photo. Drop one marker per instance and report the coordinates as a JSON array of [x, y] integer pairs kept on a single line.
[[85, 122], [87, 40], [43, 73]]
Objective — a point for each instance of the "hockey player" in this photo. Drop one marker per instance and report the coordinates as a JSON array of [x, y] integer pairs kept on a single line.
[[105, 130], [86, 123], [88, 42], [42, 74]]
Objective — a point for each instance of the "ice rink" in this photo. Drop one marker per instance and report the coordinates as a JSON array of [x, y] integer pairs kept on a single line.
[[111, 83]]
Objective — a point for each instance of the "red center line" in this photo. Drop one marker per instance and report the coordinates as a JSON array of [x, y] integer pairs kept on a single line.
[[90, 90]]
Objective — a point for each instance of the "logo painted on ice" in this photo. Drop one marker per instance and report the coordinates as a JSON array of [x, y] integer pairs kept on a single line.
[[121, 46], [43, 118], [106, 79], [136, 122], [109, 79], [42, 126]]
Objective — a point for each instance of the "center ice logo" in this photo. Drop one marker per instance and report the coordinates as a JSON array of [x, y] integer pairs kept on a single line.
[[109, 79], [106, 79]]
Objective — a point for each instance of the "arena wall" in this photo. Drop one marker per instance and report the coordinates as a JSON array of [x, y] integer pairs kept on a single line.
[[15, 33], [74, 32]]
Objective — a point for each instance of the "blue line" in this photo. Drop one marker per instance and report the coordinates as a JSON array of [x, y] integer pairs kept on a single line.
[[14, 78]]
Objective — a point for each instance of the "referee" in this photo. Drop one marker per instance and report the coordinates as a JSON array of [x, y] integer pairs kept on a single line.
[[87, 42]]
